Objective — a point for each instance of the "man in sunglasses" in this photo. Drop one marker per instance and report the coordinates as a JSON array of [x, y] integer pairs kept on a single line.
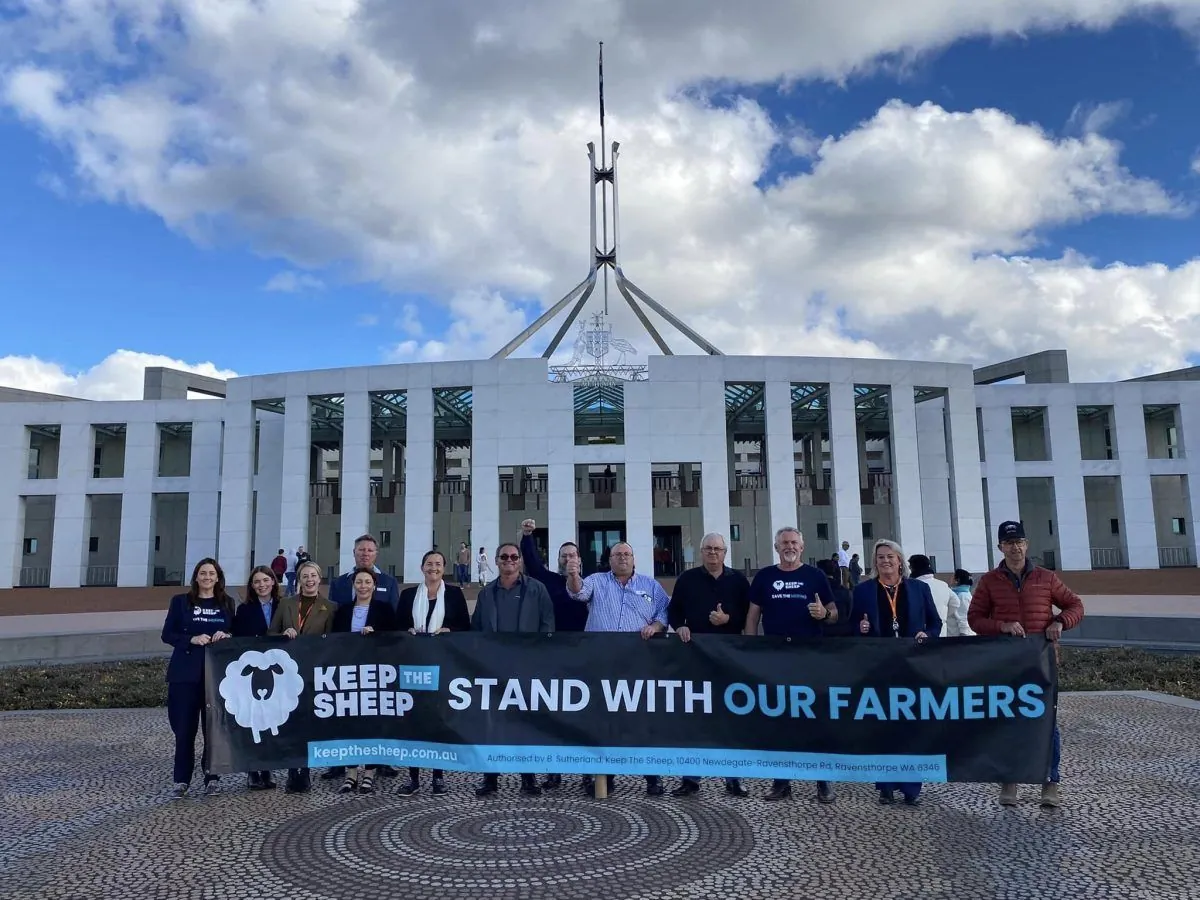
[[512, 603]]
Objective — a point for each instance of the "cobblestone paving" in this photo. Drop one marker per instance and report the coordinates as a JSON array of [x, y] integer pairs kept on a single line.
[[85, 813]]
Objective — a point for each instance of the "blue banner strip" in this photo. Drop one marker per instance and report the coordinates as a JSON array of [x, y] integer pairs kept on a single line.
[[674, 761]]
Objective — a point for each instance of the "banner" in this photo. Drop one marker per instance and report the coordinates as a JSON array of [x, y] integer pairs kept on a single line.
[[843, 709]]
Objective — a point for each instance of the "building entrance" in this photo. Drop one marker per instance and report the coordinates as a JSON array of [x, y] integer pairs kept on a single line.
[[596, 539]]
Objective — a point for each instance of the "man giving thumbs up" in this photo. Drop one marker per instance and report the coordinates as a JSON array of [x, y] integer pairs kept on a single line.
[[709, 599]]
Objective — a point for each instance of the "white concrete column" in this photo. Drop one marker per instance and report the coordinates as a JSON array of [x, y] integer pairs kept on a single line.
[[1003, 503], [780, 458], [639, 512], [1070, 507], [204, 503], [971, 537], [14, 469], [69, 554], [237, 495], [1189, 429], [137, 505], [1137, 501], [560, 487], [716, 472], [268, 485], [843, 439], [934, 466], [356, 473], [906, 470], [486, 436], [418, 482], [294, 501]]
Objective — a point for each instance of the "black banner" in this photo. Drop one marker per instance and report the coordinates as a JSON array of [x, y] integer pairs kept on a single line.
[[955, 709]]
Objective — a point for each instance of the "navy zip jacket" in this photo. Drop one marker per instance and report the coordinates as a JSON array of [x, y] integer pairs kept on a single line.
[[387, 588], [184, 622], [569, 615], [248, 619], [380, 616], [922, 614]]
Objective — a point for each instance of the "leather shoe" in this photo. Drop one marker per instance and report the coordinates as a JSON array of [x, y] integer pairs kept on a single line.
[[654, 787], [734, 788], [488, 787], [686, 789], [779, 792]]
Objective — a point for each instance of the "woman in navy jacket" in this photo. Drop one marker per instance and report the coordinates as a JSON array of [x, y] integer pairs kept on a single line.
[[889, 604], [252, 619], [195, 619], [365, 616]]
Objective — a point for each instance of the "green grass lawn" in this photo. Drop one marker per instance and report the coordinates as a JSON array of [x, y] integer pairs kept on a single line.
[[125, 685]]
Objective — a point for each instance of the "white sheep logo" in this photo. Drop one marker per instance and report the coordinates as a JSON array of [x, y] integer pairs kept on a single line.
[[261, 689]]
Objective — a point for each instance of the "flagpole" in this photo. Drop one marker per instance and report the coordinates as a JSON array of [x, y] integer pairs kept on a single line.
[[603, 186]]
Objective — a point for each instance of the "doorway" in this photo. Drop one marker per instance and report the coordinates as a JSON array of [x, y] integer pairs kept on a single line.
[[668, 550], [596, 539]]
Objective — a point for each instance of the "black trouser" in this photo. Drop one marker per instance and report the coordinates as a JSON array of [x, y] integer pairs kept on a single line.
[[185, 712], [415, 773]]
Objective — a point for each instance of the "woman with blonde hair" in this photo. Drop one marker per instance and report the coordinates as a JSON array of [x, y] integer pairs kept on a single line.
[[307, 614], [889, 604]]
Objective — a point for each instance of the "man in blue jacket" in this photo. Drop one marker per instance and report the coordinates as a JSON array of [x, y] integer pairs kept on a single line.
[[366, 550], [569, 615], [341, 592]]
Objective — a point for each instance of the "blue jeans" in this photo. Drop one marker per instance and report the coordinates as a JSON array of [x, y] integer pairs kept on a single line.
[[1055, 756]]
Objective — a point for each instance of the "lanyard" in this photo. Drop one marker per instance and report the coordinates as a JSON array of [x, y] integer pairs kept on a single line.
[[891, 592], [301, 615]]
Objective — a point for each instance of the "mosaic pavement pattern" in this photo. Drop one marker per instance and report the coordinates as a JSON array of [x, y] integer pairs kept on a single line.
[[85, 813]]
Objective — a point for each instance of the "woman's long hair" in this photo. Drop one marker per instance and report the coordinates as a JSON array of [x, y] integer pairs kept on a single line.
[[251, 594], [220, 596]]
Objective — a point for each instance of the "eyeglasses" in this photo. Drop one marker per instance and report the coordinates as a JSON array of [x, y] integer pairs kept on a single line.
[[713, 549], [508, 557]]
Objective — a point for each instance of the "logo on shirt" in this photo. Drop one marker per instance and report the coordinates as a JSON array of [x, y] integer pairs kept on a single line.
[[261, 689], [778, 585]]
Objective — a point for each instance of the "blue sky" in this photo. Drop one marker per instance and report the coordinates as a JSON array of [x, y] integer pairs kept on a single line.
[[80, 277]]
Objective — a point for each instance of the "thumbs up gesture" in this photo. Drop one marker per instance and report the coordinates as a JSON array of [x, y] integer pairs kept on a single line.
[[718, 616], [817, 609], [864, 627]]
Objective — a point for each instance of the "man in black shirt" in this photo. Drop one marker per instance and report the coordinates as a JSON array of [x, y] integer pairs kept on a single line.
[[709, 599]]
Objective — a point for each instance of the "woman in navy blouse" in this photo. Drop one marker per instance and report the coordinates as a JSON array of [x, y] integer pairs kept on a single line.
[[365, 616], [194, 620], [252, 619]]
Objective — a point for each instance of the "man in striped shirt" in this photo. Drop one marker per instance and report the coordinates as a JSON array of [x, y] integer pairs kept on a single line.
[[621, 600]]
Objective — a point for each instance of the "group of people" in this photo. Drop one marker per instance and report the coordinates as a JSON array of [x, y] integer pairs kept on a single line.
[[901, 599]]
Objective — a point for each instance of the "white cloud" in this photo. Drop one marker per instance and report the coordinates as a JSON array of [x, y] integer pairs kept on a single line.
[[367, 320], [1096, 118], [119, 376], [483, 322], [437, 148], [293, 283]]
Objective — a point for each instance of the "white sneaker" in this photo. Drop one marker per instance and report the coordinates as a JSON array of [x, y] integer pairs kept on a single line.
[[179, 790]]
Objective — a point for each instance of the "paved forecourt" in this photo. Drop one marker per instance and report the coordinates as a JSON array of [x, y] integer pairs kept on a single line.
[[85, 794]]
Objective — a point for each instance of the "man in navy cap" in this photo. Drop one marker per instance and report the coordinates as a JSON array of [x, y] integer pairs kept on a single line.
[[1019, 598]]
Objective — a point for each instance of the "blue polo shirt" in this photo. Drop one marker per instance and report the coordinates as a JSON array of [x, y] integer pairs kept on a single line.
[[783, 598]]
